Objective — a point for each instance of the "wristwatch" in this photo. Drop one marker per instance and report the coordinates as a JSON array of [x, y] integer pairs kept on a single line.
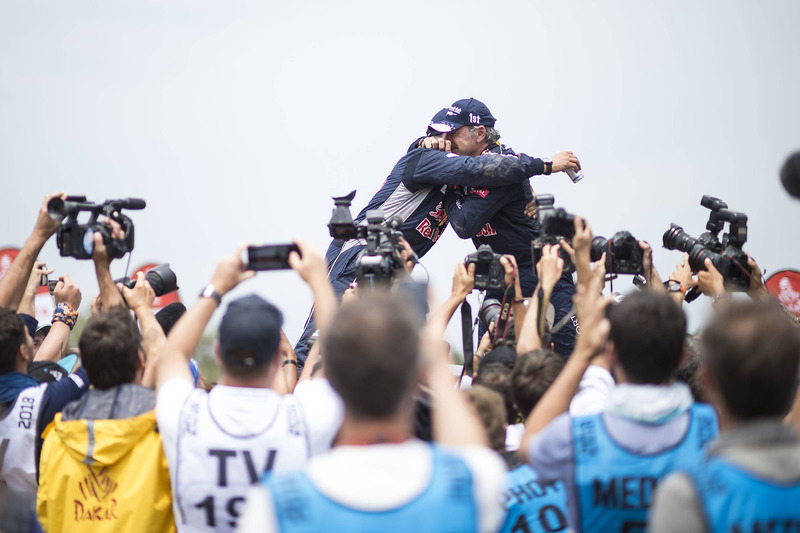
[[548, 166], [211, 292], [674, 286]]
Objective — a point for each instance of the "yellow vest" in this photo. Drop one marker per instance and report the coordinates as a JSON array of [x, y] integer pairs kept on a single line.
[[104, 475]]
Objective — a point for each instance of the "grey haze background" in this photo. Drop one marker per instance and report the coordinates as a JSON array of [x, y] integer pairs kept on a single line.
[[238, 121]]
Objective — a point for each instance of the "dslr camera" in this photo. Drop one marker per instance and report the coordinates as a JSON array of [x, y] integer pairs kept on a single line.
[[77, 240], [726, 254], [623, 254], [556, 225], [489, 273], [162, 279], [381, 259]]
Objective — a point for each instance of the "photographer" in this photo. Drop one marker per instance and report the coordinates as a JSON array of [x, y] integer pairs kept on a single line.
[[374, 358], [413, 191], [242, 428], [750, 479], [650, 426], [27, 406], [497, 215]]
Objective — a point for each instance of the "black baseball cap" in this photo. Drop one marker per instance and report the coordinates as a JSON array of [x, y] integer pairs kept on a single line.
[[466, 112], [250, 332]]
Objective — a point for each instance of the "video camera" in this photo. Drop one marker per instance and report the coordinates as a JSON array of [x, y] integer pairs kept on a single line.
[[623, 253], [556, 225], [489, 273], [77, 240], [381, 259], [726, 255]]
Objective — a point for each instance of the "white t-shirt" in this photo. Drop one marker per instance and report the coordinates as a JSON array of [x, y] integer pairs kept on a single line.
[[385, 476], [218, 443]]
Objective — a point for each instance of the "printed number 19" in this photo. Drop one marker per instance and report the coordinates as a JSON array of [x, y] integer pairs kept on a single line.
[[232, 507]]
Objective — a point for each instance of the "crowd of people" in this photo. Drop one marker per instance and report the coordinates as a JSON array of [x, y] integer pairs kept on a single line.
[[618, 421]]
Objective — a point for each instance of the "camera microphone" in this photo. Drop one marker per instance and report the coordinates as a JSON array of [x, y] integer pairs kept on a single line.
[[132, 203], [790, 175]]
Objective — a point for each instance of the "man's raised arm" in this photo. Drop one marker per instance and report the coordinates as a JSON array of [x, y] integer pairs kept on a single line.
[[185, 335], [434, 167], [12, 286]]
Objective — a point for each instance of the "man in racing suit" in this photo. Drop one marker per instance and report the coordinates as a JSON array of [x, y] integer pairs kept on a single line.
[[415, 191], [496, 215]]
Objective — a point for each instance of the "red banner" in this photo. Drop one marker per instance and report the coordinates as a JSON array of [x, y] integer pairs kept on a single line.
[[785, 286]]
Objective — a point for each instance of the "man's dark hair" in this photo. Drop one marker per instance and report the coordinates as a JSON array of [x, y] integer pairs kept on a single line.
[[371, 355], [492, 411], [497, 377], [533, 374], [648, 330], [752, 352], [110, 348], [12, 336]]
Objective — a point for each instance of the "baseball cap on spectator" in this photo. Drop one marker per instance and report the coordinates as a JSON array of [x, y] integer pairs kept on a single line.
[[250, 332], [44, 329], [46, 371], [467, 112]]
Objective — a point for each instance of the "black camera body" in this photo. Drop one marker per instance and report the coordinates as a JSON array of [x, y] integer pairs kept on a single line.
[[726, 254], [489, 273], [161, 278], [623, 253], [381, 259], [556, 224], [75, 239]]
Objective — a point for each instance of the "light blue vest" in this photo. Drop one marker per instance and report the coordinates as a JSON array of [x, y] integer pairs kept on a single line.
[[615, 486], [532, 506], [737, 501], [446, 505]]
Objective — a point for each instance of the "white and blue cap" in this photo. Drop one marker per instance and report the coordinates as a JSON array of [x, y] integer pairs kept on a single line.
[[466, 112]]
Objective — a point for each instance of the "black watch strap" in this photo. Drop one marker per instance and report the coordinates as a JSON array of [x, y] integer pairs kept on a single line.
[[211, 292], [548, 166]]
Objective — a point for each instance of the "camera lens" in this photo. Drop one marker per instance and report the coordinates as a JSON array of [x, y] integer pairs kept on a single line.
[[677, 239], [599, 245]]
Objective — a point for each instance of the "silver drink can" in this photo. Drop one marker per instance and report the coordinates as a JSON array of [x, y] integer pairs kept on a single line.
[[574, 175]]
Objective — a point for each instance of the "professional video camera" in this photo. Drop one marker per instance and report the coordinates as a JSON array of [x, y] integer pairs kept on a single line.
[[556, 224], [623, 254], [489, 273], [381, 259], [76, 240], [726, 255], [161, 278]]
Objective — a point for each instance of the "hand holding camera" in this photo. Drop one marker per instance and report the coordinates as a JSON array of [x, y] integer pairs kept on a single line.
[[67, 292], [140, 294], [231, 271]]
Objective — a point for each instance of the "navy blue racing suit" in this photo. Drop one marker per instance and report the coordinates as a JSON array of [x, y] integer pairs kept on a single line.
[[415, 191], [495, 216]]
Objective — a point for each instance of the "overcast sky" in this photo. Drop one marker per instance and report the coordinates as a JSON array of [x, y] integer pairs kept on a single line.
[[238, 121]]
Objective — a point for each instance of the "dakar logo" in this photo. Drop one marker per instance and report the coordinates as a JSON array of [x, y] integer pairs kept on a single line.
[[96, 504], [483, 193], [486, 231]]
